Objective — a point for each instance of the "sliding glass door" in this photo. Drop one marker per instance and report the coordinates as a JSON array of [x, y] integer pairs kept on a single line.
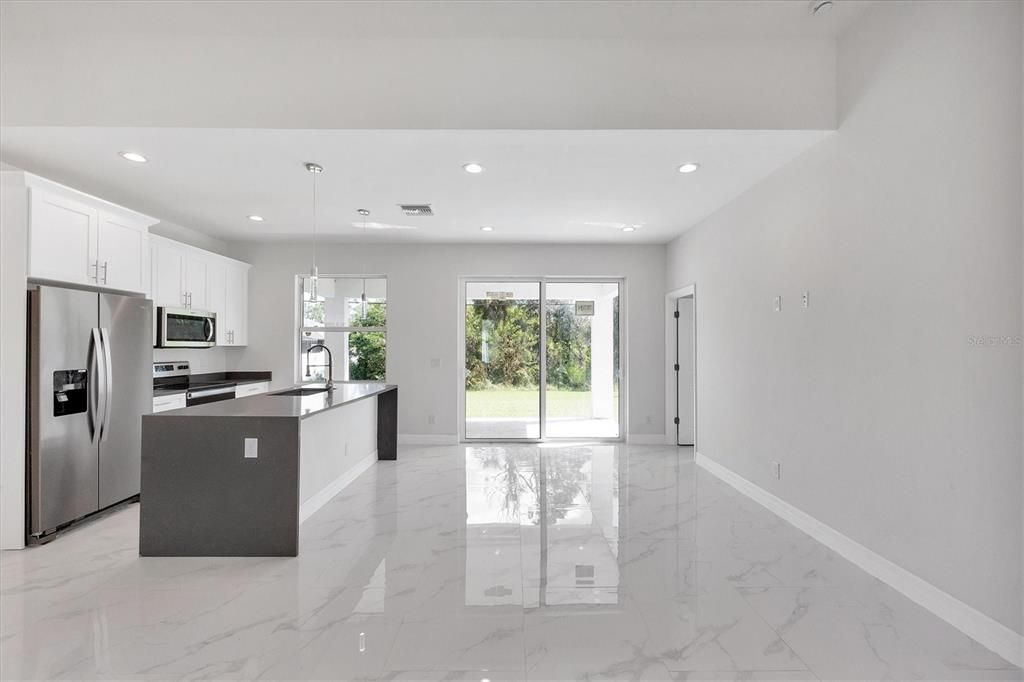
[[513, 389], [582, 363], [503, 372]]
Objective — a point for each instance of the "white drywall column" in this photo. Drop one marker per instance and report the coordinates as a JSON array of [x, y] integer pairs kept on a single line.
[[13, 301]]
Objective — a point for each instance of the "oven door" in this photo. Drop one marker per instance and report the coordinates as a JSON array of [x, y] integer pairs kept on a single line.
[[185, 328], [209, 395]]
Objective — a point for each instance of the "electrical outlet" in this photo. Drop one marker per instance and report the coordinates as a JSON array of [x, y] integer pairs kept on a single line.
[[252, 448], [435, 363], [806, 299], [650, 420], [776, 470], [431, 419], [778, 304]]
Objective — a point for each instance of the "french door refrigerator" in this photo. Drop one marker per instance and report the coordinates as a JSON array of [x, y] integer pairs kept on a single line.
[[90, 381]]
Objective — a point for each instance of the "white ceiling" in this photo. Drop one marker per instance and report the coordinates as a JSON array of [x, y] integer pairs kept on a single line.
[[542, 65], [543, 19], [538, 186]]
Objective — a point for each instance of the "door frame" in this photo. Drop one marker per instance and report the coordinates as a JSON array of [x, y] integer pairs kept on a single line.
[[543, 281], [671, 359]]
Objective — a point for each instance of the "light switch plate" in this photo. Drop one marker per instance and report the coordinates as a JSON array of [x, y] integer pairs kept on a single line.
[[251, 448], [778, 304]]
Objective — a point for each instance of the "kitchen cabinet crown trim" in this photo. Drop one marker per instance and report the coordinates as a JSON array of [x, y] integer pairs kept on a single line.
[[33, 181]]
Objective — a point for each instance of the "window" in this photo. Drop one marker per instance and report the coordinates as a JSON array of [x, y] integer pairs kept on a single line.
[[349, 316]]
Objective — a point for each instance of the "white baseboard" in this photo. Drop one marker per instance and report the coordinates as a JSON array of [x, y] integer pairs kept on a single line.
[[427, 439], [648, 439], [313, 504], [975, 624]]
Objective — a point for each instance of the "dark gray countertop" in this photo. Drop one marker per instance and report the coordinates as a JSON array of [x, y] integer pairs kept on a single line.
[[270, 405], [206, 380]]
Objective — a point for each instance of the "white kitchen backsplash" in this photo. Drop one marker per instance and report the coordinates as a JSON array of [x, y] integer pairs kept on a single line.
[[201, 360]]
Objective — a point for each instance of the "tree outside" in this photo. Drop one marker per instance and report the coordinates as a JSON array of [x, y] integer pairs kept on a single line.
[[367, 351]]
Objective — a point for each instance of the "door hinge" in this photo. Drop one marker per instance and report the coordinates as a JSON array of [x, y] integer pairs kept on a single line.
[[676, 314], [676, 421], [676, 367]]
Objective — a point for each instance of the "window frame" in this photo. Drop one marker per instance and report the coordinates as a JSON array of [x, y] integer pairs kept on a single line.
[[300, 329]]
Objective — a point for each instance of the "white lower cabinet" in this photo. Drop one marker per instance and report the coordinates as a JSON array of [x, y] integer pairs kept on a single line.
[[244, 390], [168, 402]]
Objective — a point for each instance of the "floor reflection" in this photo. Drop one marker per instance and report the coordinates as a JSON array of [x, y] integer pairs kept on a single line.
[[483, 562], [552, 515]]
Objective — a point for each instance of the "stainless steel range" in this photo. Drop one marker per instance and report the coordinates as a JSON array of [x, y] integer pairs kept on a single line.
[[173, 377]]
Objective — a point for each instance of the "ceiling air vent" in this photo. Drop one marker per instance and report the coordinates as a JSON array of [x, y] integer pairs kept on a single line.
[[416, 209]]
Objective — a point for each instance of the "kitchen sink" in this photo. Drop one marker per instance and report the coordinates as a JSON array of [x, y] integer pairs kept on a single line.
[[310, 390]]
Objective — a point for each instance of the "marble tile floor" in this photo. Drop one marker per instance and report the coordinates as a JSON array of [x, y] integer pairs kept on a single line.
[[510, 562]]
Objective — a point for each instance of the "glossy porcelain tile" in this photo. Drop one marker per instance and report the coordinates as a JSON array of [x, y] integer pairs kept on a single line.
[[483, 563]]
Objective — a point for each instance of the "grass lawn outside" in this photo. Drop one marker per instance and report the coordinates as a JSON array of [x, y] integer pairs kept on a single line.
[[523, 402]]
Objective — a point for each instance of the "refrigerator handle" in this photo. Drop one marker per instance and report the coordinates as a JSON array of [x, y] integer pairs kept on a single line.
[[97, 386], [108, 382]]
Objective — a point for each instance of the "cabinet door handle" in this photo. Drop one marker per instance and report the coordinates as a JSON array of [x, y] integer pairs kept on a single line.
[[95, 276], [104, 272]]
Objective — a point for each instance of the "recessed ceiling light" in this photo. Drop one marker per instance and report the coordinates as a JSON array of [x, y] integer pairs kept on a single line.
[[256, 218], [689, 167], [134, 157], [486, 228], [473, 168], [629, 228]]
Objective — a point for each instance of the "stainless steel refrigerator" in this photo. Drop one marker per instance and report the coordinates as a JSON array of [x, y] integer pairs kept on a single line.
[[90, 382]]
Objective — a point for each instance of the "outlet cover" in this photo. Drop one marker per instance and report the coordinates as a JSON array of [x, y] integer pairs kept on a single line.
[[806, 299], [776, 470], [252, 448], [777, 302]]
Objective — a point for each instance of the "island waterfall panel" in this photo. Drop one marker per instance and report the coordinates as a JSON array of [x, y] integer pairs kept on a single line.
[[236, 478]]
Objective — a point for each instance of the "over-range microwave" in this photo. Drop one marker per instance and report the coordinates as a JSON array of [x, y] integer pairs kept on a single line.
[[185, 328]]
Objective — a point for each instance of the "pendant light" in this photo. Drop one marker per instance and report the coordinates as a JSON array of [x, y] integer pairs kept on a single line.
[[314, 274], [365, 213]]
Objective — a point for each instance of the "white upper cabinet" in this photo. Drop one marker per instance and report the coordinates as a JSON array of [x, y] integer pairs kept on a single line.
[[236, 308], [196, 280], [79, 239], [168, 273], [122, 252], [228, 296], [181, 275], [186, 277]]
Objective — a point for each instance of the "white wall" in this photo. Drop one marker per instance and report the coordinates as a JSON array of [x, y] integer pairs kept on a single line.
[[423, 314], [905, 226], [13, 313], [202, 360]]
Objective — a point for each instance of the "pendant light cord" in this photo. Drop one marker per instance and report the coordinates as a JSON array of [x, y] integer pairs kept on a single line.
[[314, 220]]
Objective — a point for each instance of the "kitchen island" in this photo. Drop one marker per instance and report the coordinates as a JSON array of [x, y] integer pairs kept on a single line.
[[237, 477]]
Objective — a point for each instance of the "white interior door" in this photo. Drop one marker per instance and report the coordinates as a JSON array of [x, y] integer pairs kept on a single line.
[[685, 376]]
